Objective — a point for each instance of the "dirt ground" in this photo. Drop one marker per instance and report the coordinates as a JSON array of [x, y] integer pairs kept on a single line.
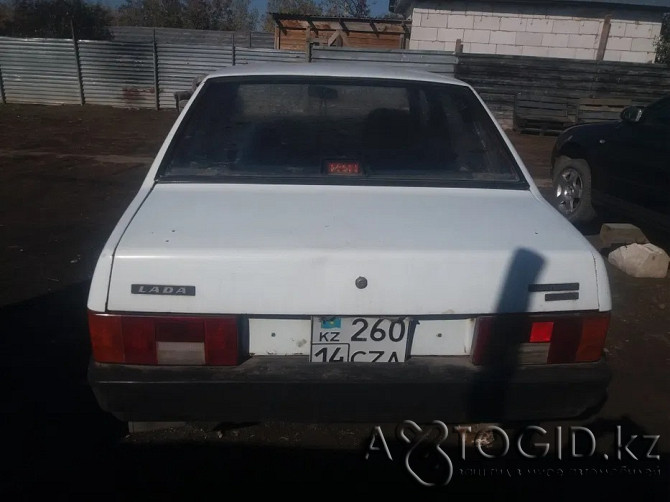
[[66, 175]]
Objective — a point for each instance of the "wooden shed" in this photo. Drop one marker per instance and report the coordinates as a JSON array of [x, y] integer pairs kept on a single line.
[[294, 31]]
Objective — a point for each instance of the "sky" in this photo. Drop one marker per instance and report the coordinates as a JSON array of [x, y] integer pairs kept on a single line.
[[377, 7]]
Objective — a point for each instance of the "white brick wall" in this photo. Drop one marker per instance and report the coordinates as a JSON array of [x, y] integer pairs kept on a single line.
[[618, 29], [509, 50], [583, 41], [431, 45], [513, 24], [590, 27], [531, 29], [634, 57], [434, 20], [478, 36], [487, 23], [422, 34], [503, 37], [612, 55], [585, 53], [542, 52], [562, 52], [461, 21], [642, 30], [483, 48], [620, 43], [565, 26], [539, 25], [450, 35], [642, 45], [555, 40], [532, 39]]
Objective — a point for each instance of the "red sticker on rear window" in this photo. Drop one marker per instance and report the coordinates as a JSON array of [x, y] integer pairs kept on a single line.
[[340, 167]]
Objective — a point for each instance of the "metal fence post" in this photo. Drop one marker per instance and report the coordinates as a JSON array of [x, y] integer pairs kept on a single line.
[[156, 89], [2, 89], [234, 52], [308, 50], [80, 80]]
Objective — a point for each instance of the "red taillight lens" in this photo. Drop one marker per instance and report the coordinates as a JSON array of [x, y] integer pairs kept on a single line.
[[566, 338], [139, 340], [106, 338], [541, 332], [221, 348], [154, 340], [592, 342]]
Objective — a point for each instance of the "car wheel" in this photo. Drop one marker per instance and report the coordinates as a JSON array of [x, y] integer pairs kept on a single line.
[[572, 189]]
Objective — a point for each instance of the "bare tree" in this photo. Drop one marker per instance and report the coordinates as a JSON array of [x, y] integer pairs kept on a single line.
[[663, 42], [304, 7], [54, 19], [346, 8], [194, 14], [5, 16]]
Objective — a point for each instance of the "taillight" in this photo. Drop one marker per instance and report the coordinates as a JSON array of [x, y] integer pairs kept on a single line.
[[540, 339], [165, 340]]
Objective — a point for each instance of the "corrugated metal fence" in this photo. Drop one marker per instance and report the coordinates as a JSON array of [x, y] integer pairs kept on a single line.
[[178, 65], [129, 74], [118, 74], [255, 39], [125, 74], [39, 71], [247, 56]]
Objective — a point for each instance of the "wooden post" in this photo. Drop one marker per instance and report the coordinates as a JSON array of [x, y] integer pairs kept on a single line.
[[77, 61], [156, 89], [308, 51], [405, 36], [604, 37], [459, 47]]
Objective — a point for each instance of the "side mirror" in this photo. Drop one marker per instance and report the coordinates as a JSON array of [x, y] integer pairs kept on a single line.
[[632, 114]]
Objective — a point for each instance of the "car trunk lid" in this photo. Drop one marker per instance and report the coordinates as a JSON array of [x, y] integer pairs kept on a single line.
[[305, 250]]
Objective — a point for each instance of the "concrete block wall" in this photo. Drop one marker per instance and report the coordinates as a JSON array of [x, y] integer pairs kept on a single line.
[[534, 30]]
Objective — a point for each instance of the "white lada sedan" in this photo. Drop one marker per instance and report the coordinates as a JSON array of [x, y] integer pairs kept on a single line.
[[325, 242]]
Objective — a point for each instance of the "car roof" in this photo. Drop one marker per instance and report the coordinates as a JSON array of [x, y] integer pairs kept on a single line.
[[347, 69]]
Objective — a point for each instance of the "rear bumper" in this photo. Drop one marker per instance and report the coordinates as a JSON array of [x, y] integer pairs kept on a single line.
[[291, 389]]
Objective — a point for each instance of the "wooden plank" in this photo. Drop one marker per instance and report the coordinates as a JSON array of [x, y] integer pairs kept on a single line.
[[604, 36], [352, 26], [585, 102], [527, 100], [597, 117], [521, 62]]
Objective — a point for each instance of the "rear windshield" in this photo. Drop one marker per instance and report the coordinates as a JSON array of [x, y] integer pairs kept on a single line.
[[329, 130]]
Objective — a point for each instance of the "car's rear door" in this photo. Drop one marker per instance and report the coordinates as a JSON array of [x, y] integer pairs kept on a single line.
[[653, 134], [637, 157]]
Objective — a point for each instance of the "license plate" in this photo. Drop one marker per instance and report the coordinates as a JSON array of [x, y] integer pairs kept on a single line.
[[359, 339]]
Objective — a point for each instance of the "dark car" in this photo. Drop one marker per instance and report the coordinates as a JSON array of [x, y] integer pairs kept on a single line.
[[623, 164]]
